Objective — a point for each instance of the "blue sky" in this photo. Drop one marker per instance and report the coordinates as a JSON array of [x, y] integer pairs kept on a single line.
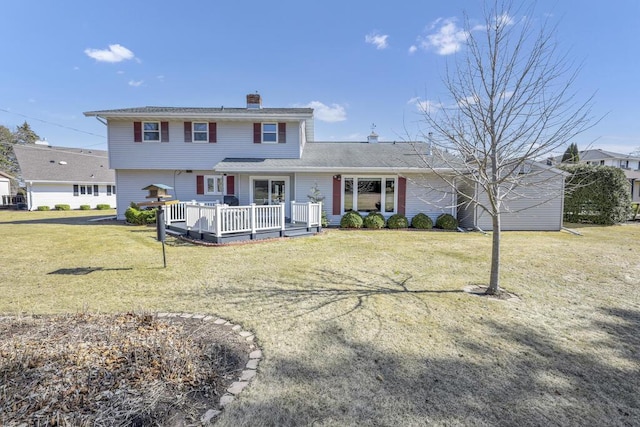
[[356, 62]]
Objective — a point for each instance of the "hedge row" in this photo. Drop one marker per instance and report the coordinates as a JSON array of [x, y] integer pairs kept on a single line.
[[596, 195], [137, 216], [65, 207], [376, 220]]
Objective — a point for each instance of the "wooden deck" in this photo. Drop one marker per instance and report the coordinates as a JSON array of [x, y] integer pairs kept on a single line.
[[291, 230]]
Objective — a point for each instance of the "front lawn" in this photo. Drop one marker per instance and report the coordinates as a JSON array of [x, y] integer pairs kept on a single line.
[[370, 327]]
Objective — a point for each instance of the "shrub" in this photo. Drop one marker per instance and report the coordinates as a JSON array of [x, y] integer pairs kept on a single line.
[[103, 207], [85, 207], [62, 207], [597, 195], [397, 221], [422, 221], [43, 208], [373, 220], [446, 222], [140, 217], [351, 219]]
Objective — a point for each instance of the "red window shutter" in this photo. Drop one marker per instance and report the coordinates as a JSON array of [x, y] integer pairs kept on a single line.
[[257, 133], [137, 131], [213, 132], [187, 131], [282, 133], [200, 184], [164, 131], [337, 195], [231, 186], [402, 194]]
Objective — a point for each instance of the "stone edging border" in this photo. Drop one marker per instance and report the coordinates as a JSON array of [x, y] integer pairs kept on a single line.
[[248, 373]]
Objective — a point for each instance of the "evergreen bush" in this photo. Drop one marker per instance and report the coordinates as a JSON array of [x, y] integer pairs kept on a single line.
[[446, 222], [397, 221], [62, 207], [373, 220], [103, 206], [85, 207], [43, 208], [596, 195], [422, 221], [351, 219], [139, 217]]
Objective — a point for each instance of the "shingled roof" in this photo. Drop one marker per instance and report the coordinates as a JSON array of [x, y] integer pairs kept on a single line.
[[340, 157], [60, 164], [200, 112]]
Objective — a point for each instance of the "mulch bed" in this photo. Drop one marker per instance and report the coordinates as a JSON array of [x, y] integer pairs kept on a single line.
[[125, 369]]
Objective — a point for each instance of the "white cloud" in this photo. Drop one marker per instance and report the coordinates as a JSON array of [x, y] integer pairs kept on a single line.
[[120, 72], [115, 53], [412, 49], [160, 77], [425, 106], [327, 113], [446, 40], [135, 83], [378, 40]]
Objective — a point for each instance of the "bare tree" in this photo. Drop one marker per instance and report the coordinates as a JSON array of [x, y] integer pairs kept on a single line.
[[511, 104]]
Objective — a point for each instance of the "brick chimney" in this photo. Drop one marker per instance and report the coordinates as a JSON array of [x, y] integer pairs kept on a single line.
[[254, 101]]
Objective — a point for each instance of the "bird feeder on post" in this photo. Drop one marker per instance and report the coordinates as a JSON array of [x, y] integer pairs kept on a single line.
[[159, 192]]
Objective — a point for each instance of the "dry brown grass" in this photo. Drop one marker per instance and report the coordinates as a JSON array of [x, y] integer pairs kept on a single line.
[[372, 327], [128, 369]]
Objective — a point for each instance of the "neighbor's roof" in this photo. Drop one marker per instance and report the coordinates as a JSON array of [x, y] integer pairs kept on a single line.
[[59, 164], [6, 175], [598, 154], [202, 112], [340, 157]]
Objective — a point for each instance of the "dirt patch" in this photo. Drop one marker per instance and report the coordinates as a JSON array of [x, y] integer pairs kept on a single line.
[[126, 369], [481, 291]]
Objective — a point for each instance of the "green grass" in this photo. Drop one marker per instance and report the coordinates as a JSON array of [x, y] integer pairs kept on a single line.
[[371, 328]]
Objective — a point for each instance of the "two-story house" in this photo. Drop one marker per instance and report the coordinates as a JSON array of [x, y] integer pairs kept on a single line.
[[268, 156]]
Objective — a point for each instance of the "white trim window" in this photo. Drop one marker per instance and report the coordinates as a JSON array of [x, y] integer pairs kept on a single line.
[[269, 133], [200, 131], [151, 131], [369, 194], [214, 184]]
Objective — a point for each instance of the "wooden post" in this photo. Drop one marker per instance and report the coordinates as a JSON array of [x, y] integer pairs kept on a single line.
[[252, 219]]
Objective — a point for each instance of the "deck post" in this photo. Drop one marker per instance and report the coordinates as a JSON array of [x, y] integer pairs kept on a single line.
[[252, 218], [294, 217], [319, 218], [218, 221], [282, 216]]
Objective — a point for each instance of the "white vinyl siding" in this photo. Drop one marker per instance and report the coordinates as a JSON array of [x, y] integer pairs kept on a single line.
[[235, 139], [129, 184], [419, 196], [51, 194], [539, 208]]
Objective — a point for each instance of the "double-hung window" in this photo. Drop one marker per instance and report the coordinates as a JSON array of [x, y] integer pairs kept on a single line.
[[269, 133], [214, 184], [151, 131], [200, 132]]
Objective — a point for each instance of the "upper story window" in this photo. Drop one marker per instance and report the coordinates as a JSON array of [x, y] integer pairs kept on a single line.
[[624, 164], [269, 132], [151, 131], [200, 132]]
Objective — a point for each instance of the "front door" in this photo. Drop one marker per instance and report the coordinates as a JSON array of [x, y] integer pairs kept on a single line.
[[271, 191]]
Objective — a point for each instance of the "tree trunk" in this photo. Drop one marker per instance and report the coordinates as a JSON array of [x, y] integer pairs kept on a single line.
[[494, 280]]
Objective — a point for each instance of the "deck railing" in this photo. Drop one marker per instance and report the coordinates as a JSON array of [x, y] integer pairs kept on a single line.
[[306, 213], [176, 212], [223, 219], [219, 219]]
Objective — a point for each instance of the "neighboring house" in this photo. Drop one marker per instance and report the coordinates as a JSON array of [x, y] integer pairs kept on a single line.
[[59, 175], [5, 188], [267, 156], [628, 163]]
